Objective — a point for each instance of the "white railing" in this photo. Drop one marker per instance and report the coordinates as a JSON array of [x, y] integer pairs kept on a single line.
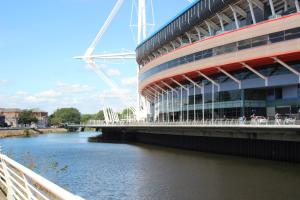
[[21, 183], [216, 122]]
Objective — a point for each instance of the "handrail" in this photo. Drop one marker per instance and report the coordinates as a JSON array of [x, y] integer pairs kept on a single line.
[[260, 122], [29, 185]]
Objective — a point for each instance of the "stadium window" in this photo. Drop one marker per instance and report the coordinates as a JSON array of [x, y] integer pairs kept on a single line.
[[292, 33], [258, 41], [198, 55], [278, 93], [276, 37]]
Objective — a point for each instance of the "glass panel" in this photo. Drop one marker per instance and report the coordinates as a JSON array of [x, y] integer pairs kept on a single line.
[[207, 53], [278, 93], [198, 55], [230, 47], [255, 95], [258, 41], [276, 37], [190, 58], [244, 44], [292, 34]]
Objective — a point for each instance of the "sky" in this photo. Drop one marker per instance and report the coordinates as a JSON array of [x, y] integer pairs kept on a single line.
[[38, 39]]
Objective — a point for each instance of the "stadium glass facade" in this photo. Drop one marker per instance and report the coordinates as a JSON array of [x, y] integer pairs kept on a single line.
[[224, 59]]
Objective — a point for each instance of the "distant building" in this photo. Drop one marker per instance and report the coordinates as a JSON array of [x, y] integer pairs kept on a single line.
[[2, 120], [11, 116], [42, 117]]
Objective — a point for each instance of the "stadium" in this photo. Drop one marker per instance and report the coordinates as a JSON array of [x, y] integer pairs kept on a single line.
[[224, 59]]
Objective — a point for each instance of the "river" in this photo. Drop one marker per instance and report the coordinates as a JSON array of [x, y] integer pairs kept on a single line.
[[99, 171]]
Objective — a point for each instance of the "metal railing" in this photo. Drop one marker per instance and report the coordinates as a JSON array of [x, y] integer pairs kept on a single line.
[[21, 183], [263, 122]]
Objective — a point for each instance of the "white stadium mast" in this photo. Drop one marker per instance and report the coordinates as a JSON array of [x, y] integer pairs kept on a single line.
[[89, 57]]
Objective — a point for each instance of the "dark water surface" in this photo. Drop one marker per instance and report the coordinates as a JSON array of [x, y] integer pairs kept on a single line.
[[121, 171]]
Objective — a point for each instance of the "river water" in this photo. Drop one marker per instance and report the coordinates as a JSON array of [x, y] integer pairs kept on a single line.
[[98, 171]]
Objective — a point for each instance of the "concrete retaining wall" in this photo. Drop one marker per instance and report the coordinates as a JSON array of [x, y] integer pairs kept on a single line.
[[272, 144]]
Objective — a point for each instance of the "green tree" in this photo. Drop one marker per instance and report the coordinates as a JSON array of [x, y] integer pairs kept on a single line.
[[27, 117], [99, 115], [126, 112], [65, 115], [86, 117]]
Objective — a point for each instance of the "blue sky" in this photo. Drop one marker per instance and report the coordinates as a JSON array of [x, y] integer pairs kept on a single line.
[[38, 39]]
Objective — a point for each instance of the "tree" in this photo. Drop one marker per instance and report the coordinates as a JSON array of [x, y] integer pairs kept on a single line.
[[65, 115], [127, 112], [27, 117], [99, 115], [86, 117]]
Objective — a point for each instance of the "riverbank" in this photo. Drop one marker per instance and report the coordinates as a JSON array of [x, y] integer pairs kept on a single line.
[[4, 133]]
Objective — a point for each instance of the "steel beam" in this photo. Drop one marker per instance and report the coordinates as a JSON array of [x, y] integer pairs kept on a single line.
[[172, 99], [258, 4], [179, 84], [162, 99], [226, 18], [189, 37], [240, 11], [150, 92], [256, 72], [231, 77], [210, 29], [161, 51], [212, 93], [235, 16], [151, 89], [167, 85], [209, 79], [173, 45], [149, 98], [166, 91], [287, 66], [252, 11], [198, 32], [297, 5], [212, 24], [157, 94], [180, 41], [221, 22], [190, 80], [181, 104], [202, 30], [272, 8], [166, 48], [195, 84], [160, 87]]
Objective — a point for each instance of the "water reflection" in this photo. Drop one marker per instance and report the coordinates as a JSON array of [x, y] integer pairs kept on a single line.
[[122, 171]]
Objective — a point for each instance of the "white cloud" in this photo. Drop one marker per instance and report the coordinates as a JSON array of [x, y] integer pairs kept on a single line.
[[113, 72], [73, 88], [98, 66], [2, 82], [21, 93], [129, 81], [84, 97], [48, 94]]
